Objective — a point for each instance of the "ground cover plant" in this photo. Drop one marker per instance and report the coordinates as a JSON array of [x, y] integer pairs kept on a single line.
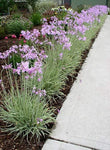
[[42, 64]]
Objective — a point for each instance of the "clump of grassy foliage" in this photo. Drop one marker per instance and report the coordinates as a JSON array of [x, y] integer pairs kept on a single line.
[[36, 18], [25, 114]]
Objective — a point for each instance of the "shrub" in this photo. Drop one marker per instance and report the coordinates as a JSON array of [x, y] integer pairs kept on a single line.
[[25, 115], [15, 26], [2, 32], [36, 18], [27, 23]]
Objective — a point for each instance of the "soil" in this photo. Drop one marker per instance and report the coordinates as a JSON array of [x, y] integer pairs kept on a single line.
[[6, 141]]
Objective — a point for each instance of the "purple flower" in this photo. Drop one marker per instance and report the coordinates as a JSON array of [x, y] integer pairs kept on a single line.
[[0, 81], [58, 110], [39, 92], [61, 55], [7, 66], [84, 39], [44, 19], [39, 120]]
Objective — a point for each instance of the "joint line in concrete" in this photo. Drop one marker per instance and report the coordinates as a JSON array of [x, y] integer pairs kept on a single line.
[[63, 141]]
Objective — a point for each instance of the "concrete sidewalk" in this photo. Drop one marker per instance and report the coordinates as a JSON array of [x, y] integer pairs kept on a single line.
[[84, 120]]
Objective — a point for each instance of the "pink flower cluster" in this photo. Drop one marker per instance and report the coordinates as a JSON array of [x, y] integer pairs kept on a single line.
[[56, 30], [31, 71], [27, 54], [81, 22], [77, 24], [13, 36], [39, 92], [33, 36], [7, 53], [39, 120]]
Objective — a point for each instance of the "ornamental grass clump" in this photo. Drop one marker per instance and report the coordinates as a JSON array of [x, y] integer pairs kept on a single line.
[[59, 64], [25, 114]]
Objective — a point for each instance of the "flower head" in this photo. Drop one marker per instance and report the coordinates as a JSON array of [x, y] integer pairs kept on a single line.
[[6, 37], [13, 36], [61, 55]]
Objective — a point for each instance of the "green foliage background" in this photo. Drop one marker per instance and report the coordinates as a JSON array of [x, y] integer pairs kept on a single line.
[[4, 4]]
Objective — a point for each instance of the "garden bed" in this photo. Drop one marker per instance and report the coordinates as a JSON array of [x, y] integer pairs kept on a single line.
[[7, 141], [56, 101]]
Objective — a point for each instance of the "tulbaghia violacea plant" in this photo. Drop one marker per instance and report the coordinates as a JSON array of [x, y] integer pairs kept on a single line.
[[31, 64], [74, 23], [56, 30]]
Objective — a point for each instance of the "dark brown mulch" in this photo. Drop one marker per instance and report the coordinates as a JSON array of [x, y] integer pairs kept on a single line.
[[6, 141]]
